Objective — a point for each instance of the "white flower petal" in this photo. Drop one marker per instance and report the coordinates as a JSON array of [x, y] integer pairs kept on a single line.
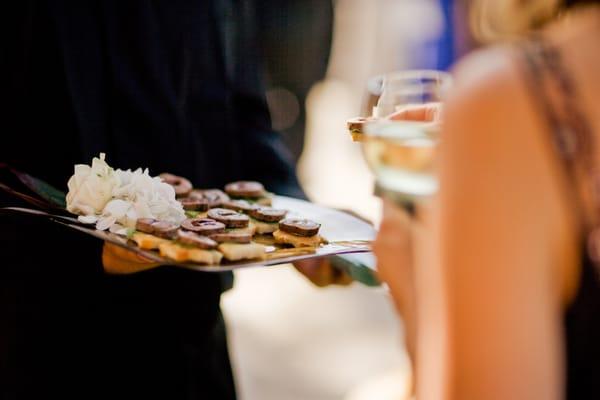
[[105, 222], [91, 187], [123, 232], [118, 229], [87, 219], [117, 208], [115, 227]]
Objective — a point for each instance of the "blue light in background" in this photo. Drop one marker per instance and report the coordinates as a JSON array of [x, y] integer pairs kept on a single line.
[[437, 52], [445, 44]]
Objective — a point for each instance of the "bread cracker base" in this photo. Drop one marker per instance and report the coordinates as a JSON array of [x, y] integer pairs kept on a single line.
[[239, 251], [296, 241], [147, 242], [180, 253], [264, 227]]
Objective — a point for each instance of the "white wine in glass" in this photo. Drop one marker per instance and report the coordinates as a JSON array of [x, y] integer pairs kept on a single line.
[[402, 156], [400, 144]]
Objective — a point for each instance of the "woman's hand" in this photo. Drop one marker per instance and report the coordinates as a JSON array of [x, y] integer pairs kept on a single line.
[[321, 273], [119, 261], [430, 112], [394, 250]]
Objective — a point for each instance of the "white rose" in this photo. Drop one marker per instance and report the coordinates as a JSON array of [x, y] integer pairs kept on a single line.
[[116, 199], [91, 188], [140, 196]]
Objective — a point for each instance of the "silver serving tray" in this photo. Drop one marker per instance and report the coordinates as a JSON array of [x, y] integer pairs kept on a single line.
[[346, 234]]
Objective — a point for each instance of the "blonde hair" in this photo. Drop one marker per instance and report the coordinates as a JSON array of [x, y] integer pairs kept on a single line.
[[493, 20]]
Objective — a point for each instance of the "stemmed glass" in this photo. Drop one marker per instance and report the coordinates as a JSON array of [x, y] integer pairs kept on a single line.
[[401, 138]]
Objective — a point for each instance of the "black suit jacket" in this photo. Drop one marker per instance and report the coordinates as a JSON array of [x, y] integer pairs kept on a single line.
[[170, 85]]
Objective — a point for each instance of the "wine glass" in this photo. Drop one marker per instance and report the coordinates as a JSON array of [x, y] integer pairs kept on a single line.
[[401, 138]]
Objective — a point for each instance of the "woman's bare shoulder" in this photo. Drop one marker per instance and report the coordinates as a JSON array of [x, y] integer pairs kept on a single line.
[[491, 96], [493, 121], [485, 74], [498, 150]]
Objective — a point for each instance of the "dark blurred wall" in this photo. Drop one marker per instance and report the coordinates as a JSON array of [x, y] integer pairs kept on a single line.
[[296, 36]]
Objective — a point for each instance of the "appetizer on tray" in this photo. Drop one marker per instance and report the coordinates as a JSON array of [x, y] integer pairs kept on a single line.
[[166, 214]]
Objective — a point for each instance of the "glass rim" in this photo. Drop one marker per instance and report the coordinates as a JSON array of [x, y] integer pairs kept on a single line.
[[376, 82]]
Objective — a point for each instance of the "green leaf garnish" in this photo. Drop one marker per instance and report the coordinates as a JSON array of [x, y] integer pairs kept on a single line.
[[191, 214], [43, 189]]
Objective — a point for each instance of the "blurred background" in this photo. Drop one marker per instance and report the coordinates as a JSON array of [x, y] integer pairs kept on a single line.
[[290, 340]]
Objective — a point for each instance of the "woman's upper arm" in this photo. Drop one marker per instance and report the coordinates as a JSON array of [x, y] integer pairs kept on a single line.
[[499, 233]]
